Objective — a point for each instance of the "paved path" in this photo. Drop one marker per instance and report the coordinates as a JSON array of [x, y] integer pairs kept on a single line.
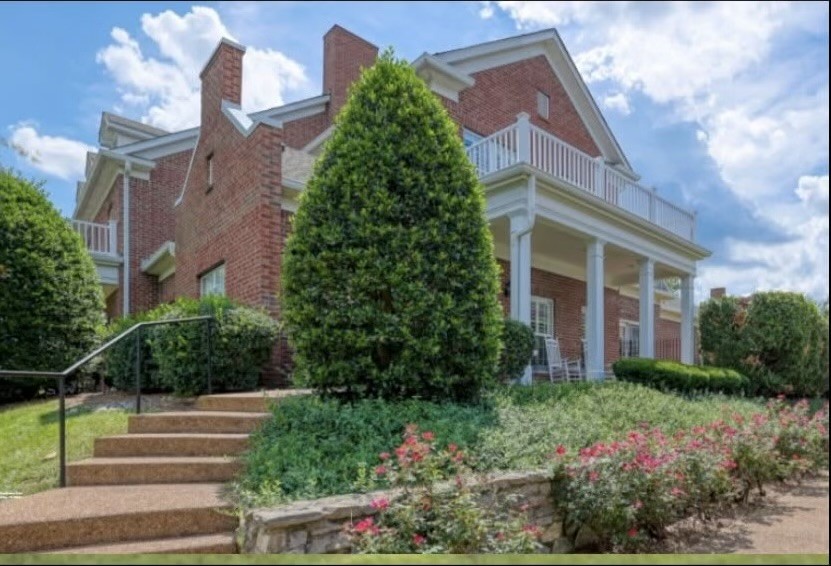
[[790, 519]]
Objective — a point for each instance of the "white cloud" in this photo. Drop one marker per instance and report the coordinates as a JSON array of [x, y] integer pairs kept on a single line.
[[761, 111], [619, 102], [165, 90], [54, 155]]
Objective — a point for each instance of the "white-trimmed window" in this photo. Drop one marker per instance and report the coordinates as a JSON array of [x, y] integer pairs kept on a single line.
[[213, 282], [543, 103], [542, 323], [629, 339]]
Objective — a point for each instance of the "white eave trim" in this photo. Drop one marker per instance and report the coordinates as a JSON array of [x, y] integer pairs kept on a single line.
[[548, 43], [313, 145], [293, 110], [161, 262], [162, 145], [441, 77]]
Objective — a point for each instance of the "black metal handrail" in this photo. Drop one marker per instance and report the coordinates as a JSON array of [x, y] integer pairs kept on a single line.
[[62, 376]]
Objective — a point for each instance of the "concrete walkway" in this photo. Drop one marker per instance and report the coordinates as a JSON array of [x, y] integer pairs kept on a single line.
[[789, 520]]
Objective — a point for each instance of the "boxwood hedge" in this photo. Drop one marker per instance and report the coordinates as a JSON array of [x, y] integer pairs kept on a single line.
[[669, 375]]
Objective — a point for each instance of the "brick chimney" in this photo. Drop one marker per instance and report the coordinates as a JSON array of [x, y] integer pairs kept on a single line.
[[222, 78], [718, 292], [344, 53]]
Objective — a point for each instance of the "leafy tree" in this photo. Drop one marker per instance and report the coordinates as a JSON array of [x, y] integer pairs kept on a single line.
[[390, 283], [51, 307]]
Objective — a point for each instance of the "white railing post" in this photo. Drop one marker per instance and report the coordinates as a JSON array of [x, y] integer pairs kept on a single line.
[[523, 132], [112, 235], [599, 176], [653, 195]]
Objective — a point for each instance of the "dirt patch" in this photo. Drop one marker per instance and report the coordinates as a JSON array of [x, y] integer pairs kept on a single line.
[[791, 518], [122, 400]]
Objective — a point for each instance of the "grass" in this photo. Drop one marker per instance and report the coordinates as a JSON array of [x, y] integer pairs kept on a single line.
[[313, 447], [29, 445]]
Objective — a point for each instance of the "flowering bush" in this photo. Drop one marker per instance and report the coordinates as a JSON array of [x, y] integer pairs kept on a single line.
[[431, 518], [629, 491]]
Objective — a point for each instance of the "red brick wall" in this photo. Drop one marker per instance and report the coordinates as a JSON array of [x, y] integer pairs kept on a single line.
[[344, 53], [298, 133], [238, 221], [167, 289], [503, 92]]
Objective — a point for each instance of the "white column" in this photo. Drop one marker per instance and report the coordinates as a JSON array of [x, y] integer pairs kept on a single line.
[[687, 319], [125, 207], [594, 309], [521, 275], [523, 132], [646, 330]]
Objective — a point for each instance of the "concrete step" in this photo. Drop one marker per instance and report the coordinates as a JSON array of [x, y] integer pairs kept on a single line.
[[127, 471], [176, 444], [81, 516], [200, 422], [254, 401], [223, 543]]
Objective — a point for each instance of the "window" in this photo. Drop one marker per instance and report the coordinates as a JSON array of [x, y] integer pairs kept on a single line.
[[470, 138], [213, 282], [542, 323], [629, 339], [209, 163], [542, 104]]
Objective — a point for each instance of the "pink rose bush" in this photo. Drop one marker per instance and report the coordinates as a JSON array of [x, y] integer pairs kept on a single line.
[[627, 492], [433, 518]]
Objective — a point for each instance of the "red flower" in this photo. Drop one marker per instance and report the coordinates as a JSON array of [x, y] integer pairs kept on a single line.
[[632, 533], [384, 455], [418, 540], [729, 465], [367, 526], [452, 448], [593, 476], [380, 470], [380, 504], [428, 436], [560, 450], [532, 529]]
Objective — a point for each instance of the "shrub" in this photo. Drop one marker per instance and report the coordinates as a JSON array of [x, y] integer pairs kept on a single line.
[[663, 374], [242, 342], [389, 279], [121, 358], [435, 519], [628, 491], [517, 349], [778, 339], [52, 308]]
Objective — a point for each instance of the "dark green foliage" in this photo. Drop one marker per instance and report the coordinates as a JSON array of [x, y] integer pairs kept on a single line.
[[779, 339], [389, 278], [242, 342], [674, 376], [51, 308], [121, 358], [517, 349]]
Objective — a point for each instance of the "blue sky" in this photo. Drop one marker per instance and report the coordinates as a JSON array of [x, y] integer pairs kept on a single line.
[[723, 107]]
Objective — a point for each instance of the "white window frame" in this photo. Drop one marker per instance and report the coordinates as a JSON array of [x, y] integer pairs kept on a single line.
[[543, 328], [212, 282], [543, 104], [629, 333]]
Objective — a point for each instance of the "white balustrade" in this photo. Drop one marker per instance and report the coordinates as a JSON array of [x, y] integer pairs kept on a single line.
[[98, 238], [565, 162]]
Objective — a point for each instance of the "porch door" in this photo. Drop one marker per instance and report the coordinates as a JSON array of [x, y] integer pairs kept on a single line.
[[629, 339], [542, 323]]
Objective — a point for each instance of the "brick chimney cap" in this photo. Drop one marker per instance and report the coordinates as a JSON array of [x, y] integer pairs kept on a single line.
[[338, 27], [226, 41]]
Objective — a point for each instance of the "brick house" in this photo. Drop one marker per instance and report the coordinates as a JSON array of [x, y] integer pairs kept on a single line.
[[585, 248]]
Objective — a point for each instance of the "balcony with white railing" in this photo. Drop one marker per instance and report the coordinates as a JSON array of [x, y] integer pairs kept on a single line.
[[100, 239], [522, 142]]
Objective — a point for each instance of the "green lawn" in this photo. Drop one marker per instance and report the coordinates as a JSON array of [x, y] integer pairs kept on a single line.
[[29, 441], [314, 448]]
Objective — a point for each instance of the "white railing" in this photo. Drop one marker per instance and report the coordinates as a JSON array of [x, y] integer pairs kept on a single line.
[[665, 349], [523, 142], [99, 238]]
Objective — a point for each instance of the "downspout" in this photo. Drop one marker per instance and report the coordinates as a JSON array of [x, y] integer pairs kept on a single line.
[[125, 309]]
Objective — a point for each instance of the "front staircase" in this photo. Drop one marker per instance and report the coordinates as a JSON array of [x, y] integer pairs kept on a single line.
[[156, 489]]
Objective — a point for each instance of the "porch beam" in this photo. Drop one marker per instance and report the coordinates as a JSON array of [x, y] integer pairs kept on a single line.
[[594, 309], [687, 319], [646, 284]]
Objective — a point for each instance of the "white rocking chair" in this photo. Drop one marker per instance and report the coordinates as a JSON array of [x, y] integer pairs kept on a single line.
[[560, 368]]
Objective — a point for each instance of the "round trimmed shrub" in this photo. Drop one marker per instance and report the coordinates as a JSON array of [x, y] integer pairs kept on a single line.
[[51, 307], [517, 349], [389, 279], [673, 376], [242, 340]]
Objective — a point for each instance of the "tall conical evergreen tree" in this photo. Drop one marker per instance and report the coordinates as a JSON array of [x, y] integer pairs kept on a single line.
[[389, 279]]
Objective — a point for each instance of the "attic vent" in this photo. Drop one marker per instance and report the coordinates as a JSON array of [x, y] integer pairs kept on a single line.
[[542, 104]]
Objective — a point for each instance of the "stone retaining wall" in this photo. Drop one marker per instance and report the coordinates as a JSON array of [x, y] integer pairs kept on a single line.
[[317, 526]]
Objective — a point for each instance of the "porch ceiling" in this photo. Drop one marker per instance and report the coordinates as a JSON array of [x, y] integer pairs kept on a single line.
[[558, 249]]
